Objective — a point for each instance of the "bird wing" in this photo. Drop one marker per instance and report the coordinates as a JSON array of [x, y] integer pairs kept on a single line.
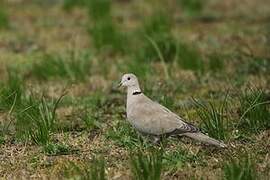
[[150, 117]]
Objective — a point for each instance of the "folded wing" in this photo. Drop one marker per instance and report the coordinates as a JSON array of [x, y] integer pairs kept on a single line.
[[152, 118]]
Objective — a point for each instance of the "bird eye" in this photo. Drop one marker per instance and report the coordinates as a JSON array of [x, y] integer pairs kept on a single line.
[[128, 78]]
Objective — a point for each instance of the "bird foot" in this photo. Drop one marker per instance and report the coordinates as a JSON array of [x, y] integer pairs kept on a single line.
[[155, 140]]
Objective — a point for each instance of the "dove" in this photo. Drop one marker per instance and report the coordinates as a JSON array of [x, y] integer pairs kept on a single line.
[[152, 119]]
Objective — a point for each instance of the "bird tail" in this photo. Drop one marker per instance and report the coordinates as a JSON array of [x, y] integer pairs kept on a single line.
[[205, 139]]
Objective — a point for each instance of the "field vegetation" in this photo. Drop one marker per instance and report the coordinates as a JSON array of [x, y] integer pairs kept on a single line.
[[62, 116]]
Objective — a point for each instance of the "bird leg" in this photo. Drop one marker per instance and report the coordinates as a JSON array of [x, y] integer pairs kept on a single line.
[[155, 139]]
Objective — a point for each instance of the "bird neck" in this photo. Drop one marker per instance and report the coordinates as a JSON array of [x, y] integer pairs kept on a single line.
[[134, 90], [133, 93]]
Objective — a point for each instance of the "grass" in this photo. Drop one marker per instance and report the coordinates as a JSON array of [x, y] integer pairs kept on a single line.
[[241, 168], [258, 65], [106, 36], [94, 169], [12, 96], [177, 159], [2, 139], [55, 149], [137, 66], [157, 44], [216, 63], [158, 23], [90, 119], [37, 120], [192, 7], [253, 65], [160, 45], [157, 29], [81, 118], [4, 20], [147, 166], [94, 101], [89, 111], [74, 67], [166, 45], [175, 53], [104, 33], [123, 135], [254, 111], [11, 91], [70, 4], [189, 58], [214, 118], [99, 10], [34, 119]]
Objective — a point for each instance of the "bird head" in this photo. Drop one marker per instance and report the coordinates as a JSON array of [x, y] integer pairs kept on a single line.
[[129, 80]]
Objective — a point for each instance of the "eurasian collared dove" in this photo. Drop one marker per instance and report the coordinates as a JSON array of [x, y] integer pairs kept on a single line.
[[152, 119]]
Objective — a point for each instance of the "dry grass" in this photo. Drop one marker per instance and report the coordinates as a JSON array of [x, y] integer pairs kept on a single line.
[[236, 36]]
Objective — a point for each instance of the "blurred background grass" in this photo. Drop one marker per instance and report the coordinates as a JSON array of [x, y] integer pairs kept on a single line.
[[207, 60]]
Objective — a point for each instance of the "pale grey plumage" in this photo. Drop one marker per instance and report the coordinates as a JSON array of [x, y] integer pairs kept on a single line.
[[151, 118]]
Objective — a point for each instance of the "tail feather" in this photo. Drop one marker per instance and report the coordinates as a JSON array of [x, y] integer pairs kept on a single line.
[[205, 139]]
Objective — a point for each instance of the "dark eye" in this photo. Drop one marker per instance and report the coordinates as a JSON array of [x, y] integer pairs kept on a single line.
[[128, 78]]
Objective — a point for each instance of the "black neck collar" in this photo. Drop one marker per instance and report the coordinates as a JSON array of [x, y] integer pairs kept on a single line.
[[136, 93]]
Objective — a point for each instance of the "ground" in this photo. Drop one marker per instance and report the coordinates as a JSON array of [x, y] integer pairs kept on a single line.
[[219, 51]]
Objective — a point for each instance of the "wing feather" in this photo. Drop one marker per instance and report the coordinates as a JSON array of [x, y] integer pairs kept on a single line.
[[150, 117]]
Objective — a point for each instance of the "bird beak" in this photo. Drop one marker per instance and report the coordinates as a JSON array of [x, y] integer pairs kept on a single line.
[[119, 85]]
